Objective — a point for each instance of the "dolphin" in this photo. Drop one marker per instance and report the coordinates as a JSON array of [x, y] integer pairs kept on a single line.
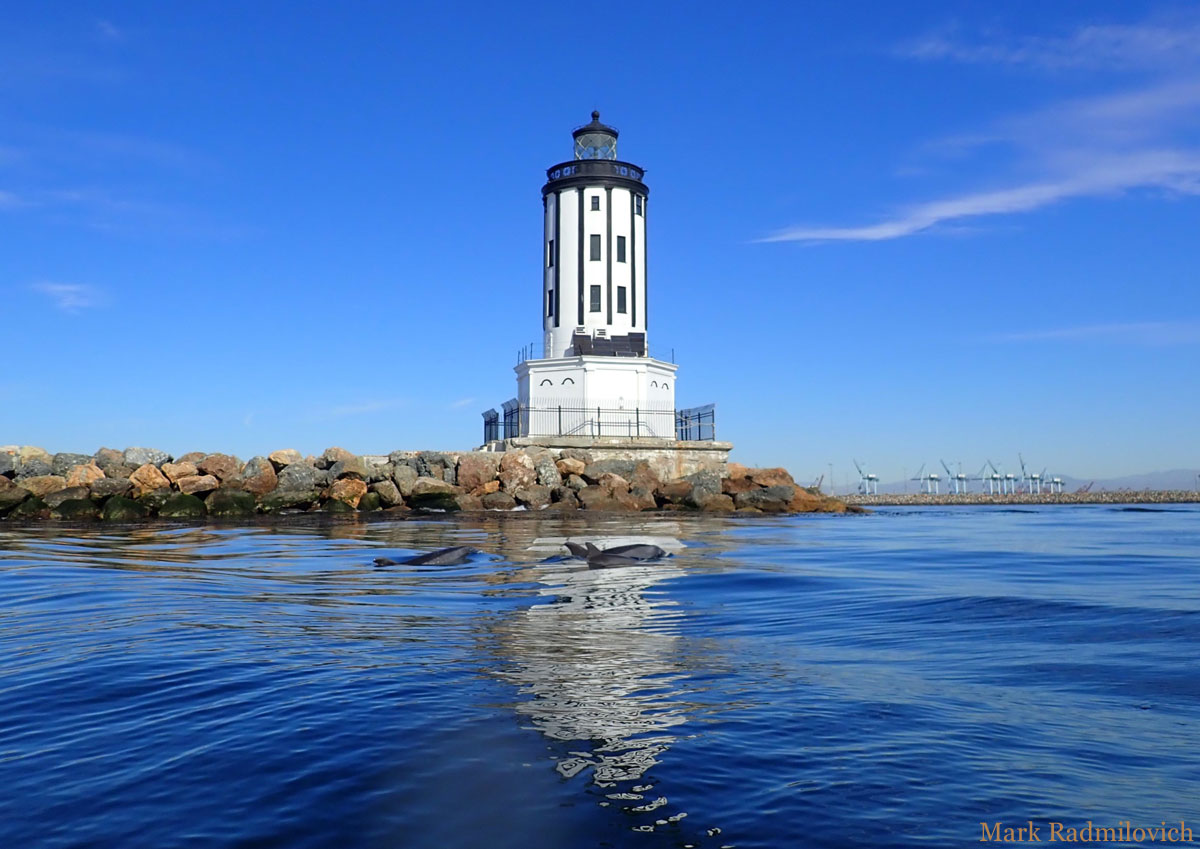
[[638, 551], [442, 557], [604, 560], [578, 550]]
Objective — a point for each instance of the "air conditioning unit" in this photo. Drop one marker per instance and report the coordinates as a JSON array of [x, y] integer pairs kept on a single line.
[[580, 331], [601, 333]]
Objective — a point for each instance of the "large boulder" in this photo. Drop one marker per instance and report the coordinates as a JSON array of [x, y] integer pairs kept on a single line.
[[8, 461], [347, 490], [433, 494], [353, 467], [288, 499], [565, 496], [770, 499], [378, 469], [575, 482], [11, 495], [770, 477], [615, 484], [576, 454], [175, 471], [598, 497], [121, 509], [147, 478], [467, 501], [404, 476], [32, 508], [224, 467], [43, 485], [720, 503], [533, 497], [75, 510], [643, 498], [705, 485], [435, 464], [70, 493], [107, 458], [27, 453], [369, 503], [197, 484], [106, 487], [547, 472], [490, 486], [570, 466], [142, 456], [596, 470], [516, 471], [498, 501], [180, 505], [84, 474], [284, 457], [477, 468], [301, 476], [258, 476], [333, 455], [61, 464], [388, 492], [33, 467], [192, 457], [230, 503]]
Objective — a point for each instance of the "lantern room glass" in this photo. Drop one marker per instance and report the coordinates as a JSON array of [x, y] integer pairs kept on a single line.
[[595, 146]]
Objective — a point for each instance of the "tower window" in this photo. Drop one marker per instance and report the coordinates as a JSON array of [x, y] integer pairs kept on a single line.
[[595, 298], [550, 254], [637, 204], [595, 244], [595, 203], [550, 302], [620, 248], [621, 299]]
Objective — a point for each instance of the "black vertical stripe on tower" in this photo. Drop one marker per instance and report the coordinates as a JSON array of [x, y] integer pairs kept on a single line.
[[557, 243], [646, 262], [608, 252], [580, 279], [632, 263]]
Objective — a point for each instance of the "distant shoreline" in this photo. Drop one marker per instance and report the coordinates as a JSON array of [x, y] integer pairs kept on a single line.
[[1176, 496]]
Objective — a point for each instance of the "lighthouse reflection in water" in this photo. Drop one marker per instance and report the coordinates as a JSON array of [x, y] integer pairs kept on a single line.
[[599, 670]]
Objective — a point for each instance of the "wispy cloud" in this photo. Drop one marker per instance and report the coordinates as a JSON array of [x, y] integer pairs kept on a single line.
[[70, 297], [1096, 47], [462, 402], [109, 31], [1135, 139], [1130, 333], [1171, 170]]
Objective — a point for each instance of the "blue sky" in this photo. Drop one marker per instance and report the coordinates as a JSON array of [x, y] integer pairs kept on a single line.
[[896, 232]]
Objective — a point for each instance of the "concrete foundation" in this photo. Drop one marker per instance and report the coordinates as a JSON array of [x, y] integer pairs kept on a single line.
[[669, 458]]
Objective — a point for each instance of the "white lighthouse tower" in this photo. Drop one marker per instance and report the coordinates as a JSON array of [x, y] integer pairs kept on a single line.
[[595, 377]]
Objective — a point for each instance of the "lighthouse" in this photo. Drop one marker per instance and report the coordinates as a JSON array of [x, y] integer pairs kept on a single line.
[[595, 377]]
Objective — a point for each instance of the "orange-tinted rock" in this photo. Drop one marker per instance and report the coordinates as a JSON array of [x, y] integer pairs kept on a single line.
[[348, 490], [224, 467], [771, 477], [487, 489], [147, 478], [258, 476], [42, 485], [175, 471], [476, 470], [194, 484], [84, 475], [570, 466]]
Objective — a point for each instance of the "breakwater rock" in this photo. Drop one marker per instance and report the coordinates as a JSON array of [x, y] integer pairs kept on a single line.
[[142, 483], [1124, 496]]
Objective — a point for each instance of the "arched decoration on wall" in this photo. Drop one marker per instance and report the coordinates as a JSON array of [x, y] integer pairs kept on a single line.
[[567, 380], [664, 385], [546, 383], [654, 384]]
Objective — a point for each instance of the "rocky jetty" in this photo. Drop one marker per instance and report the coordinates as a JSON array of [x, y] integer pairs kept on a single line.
[[142, 483]]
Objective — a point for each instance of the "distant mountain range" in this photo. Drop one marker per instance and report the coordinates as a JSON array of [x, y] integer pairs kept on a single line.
[[1185, 479]]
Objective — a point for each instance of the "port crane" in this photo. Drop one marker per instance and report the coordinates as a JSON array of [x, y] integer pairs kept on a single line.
[[959, 480], [931, 482], [997, 480], [868, 483], [1033, 482]]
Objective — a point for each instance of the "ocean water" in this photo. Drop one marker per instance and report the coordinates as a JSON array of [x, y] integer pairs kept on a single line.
[[885, 680]]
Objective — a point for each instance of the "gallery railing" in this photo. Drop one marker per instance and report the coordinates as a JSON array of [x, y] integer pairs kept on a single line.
[[514, 419]]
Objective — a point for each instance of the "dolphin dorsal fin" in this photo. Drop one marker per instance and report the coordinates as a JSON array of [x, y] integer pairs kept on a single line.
[[592, 550]]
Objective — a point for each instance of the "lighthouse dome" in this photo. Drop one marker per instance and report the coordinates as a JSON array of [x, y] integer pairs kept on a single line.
[[595, 140]]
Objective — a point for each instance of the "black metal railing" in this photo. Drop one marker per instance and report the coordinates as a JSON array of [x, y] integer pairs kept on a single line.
[[516, 419]]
